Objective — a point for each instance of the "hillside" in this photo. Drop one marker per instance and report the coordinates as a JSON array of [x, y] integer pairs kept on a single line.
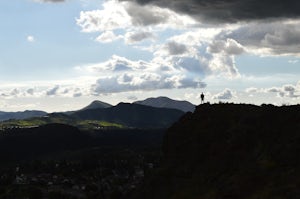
[[230, 151], [16, 144], [20, 115], [132, 115], [97, 104], [165, 102], [59, 118]]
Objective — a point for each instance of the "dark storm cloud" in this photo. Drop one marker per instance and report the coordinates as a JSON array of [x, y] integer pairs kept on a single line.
[[230, 10]]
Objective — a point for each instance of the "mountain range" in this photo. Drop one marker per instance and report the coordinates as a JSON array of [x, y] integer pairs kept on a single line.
[[150, 113], [165, 102], [97, 104], [132, 115], [21, 115]]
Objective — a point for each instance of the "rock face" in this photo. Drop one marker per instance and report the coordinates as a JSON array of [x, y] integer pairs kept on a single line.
[[230, 151]]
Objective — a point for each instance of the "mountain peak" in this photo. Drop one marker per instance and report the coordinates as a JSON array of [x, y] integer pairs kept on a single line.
[[165, 102], [97, 104]]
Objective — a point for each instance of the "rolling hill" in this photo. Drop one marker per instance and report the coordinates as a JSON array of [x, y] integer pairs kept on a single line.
[[96, 105], [21, 115], [165, 102], [132, 115]]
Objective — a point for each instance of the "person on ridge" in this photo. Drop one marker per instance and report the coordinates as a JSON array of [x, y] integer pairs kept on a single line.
[[202, 98]]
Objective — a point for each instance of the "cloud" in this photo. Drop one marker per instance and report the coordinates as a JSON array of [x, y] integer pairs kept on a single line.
[[122, 75], [132, 98], [267, 38], [107, 37], [53, 91], [155, 15], [131, 17], [113, 16], [135, 37], [230, 11], [252, 90], [227, 94], [115, 64], [229, 47], [142, 82], [293, 61], [30, 38], [288, 90], [175, 48]]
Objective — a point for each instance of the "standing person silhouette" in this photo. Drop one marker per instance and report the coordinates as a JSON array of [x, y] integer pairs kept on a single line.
[[202, 98]]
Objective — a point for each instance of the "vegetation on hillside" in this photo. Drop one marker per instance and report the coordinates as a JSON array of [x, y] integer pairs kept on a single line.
[[230, 151], [61, 119]]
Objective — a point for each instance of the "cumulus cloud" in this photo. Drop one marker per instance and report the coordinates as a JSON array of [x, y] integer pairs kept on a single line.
[[227, 94], [230, 11], [175, 48], [115, 64], [113, 16], [122, 75], [130, 16], [229, 47], [53, 91], [107, 37], [143, 82], [288, 90], [268, 38], [135, 37]]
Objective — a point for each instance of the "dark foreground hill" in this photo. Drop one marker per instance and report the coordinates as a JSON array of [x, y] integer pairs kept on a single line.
[[230, 151], [132, 115], [25, 144], [16, 144]]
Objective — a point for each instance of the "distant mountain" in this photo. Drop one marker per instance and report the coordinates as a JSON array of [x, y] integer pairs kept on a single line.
[[21, 115], [230, 151], [165, 102], [132, 115], [94, 105], [97, 104]]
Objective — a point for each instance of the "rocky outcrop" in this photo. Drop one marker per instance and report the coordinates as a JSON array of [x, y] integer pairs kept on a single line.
[[230, 151]]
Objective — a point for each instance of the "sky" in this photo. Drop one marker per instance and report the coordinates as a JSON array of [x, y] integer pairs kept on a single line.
[[59, 55]]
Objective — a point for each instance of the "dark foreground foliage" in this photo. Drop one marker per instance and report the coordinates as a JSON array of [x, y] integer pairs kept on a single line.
[[59, 161], [219, 151], [230, 151]]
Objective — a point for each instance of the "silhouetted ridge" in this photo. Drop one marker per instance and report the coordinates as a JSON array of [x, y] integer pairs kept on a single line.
[[165, 102], [21, 115], [97, 104], [133, 115], [230, 151]]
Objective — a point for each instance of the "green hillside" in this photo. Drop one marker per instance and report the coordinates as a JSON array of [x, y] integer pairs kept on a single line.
[[58, 119]]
